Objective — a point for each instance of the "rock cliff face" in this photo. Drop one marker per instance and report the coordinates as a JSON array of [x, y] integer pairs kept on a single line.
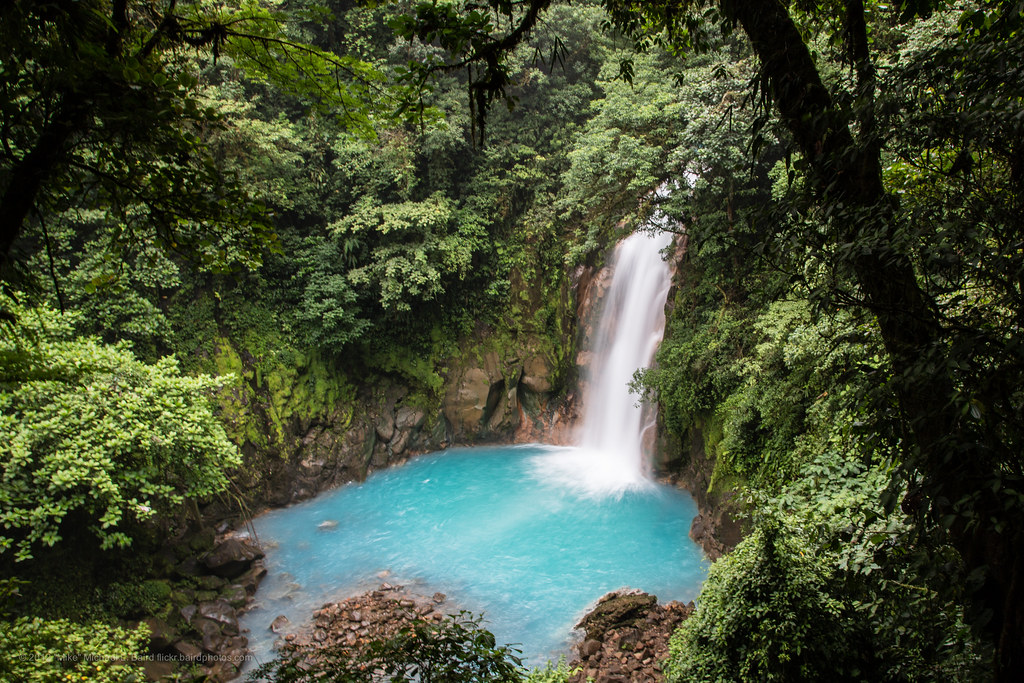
[[486, 398]]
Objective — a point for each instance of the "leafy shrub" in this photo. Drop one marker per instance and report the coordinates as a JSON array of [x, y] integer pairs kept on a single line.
[[91, 433], [42, 651], [765, 614], [551, 672]]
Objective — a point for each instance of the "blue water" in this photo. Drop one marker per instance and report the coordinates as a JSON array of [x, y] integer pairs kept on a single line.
[[490, 529]]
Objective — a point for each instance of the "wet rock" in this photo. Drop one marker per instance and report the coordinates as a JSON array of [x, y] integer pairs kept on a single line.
[[279, 623], [235, 595], [466, 400], [615, 610], [385, 426], [251, 579], [221, 612], [213, 642], [232, 558], [409, 418], [627, 636]]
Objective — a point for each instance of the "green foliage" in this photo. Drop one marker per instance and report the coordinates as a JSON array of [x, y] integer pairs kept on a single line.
[[136, 599], [43, 651], [765, 613], [414, 247], [94, 437], [454, 650], [557, 672]]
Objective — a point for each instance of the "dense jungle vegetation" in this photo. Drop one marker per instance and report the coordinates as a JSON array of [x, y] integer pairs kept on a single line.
[[205, 204]]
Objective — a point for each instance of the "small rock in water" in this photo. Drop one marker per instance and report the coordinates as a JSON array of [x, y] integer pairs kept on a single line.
[[327, 524], [278, 624], [439, 598], [384, 574]]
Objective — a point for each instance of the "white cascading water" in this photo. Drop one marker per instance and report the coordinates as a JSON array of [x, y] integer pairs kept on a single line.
[[610, 458]]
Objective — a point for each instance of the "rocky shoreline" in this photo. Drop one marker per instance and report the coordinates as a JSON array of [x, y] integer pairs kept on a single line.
[[626, 633], [627, 636]]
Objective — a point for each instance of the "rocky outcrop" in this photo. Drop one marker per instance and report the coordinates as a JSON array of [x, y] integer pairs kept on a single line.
[[626, 638], [198, 625], [231, 558], [502, 399], [718, 527], [352, 623]]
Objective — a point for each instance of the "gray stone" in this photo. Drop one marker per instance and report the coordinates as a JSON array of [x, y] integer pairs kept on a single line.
[[399, 442], [232, 558], [235, 595], [408, 417], [279, 623], [222, 613]]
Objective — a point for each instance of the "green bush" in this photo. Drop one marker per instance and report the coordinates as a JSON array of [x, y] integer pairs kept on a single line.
[[764, 614], [45, 651], [96, 438]]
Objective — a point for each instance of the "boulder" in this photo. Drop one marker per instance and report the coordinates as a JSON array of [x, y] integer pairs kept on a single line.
[[211, 583], [186, 650], [465, 402], [235, 595], [279, 623], [537, 375], [232, 558], [385, 426], [221, 612], [409, 418], [624, 607], [251, 579]]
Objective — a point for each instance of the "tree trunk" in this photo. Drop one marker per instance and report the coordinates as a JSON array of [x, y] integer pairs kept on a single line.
[[32, 171], [959, 481]]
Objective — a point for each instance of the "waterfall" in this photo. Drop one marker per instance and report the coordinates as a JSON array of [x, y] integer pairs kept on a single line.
[[610, 457], [630, 329]]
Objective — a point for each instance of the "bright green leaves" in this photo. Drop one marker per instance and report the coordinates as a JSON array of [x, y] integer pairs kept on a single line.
[[91, 433], [416, 248], [43, 651]]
